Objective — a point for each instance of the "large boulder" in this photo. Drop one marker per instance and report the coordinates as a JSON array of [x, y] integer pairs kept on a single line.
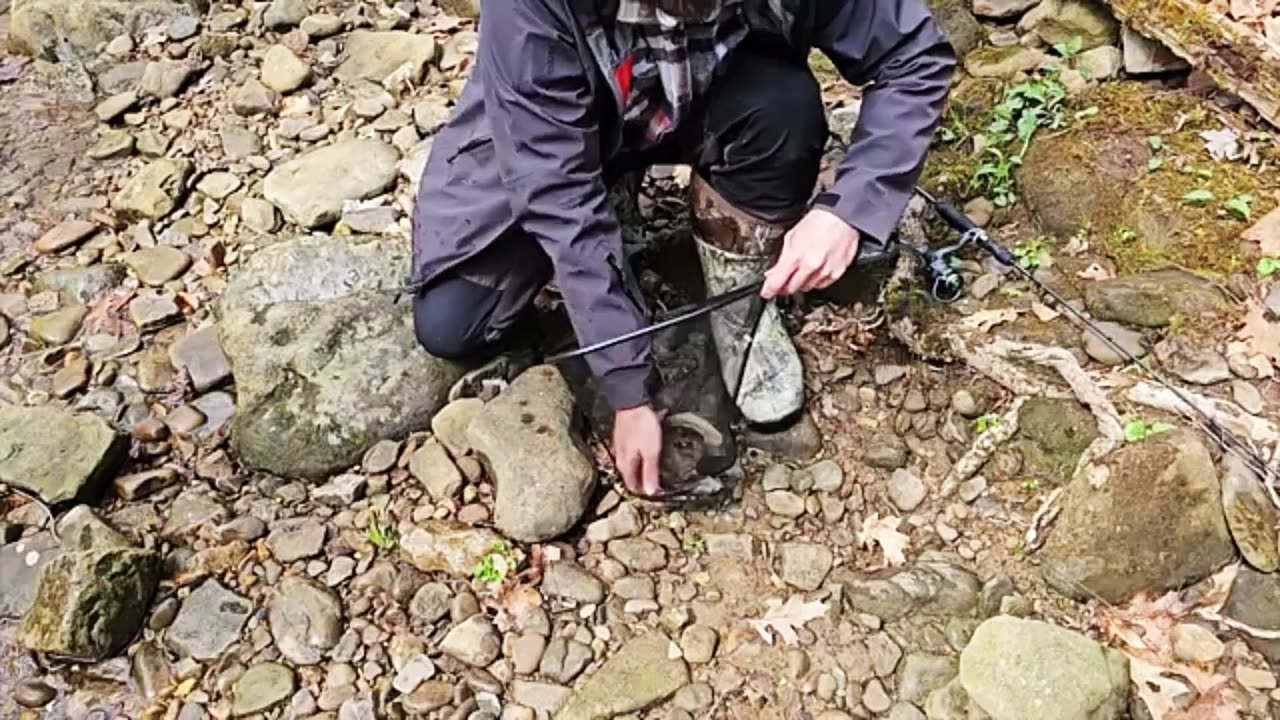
[[527, 439], [72, 30], [326, 362], [91, 603], [312, 189], [1155, 524], [1014, 669], [1153, 299], [56, 454]]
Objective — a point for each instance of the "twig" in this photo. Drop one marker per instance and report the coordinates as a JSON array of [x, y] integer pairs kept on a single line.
[[981, 450], [1044, 516]]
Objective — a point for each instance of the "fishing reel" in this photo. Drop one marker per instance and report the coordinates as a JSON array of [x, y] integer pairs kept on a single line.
[[944, 283]]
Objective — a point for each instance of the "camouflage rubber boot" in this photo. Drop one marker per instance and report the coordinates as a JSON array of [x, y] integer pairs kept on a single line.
[[736, 249]]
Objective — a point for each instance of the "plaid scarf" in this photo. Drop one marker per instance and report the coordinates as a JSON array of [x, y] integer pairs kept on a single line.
[[671, 63]]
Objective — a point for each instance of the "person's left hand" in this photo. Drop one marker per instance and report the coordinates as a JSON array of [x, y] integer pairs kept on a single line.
[[815, 253]]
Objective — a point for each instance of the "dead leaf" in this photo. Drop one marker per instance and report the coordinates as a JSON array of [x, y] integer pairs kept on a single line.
[[1222, 144], [106, 313], [1262, 335], [883, 531], [1160, 693], [1266, 232], [786, 618], [1246, 9], [517, 605], [984, 320], [1095, 272], [1220, 703], [1044, 312]]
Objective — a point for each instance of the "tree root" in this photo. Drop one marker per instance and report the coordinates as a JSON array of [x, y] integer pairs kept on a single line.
[[981, 450]]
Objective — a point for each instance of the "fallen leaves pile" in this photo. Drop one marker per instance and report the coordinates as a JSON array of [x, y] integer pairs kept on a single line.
[[1262, 16]]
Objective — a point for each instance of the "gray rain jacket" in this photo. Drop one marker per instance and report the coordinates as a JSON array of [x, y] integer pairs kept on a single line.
[[539, 121]]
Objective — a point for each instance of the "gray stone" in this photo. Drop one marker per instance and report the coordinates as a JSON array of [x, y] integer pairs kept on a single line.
[[20, 564], [1251, 517], [695, 698], [450, 424], [183, 27], [254, 98], [432, 467], [190, 511], [239, 143], [209, 622], [1255, 601], [960, 26], [311, 189], [641, 674], [64, 235], [155, 190], [219, 184], [200, 355], [165, 78], [1029, 670], [321, 25], [90, 604], [567, 579], [1114, 541], [283, 71], [305, 619], [544, 476], [258, 214], [638, 554], [1129, 340], [929, 588], [1005, 62], [1060, 21], [1002, 8], [785, 503], [885, 451], [73, 30], [153, 311], [32, 693], [539, 697], [430, 602], [341, 491], [116, 105], [326, 363], [87, 449], [158, 265], [285, 14], [564, 659], [1143, 56], [921, 674], [474, 641], [81, 529], [1192, 362], [906, 490], [445, 546], [375, 55], [1247, 396], [1101, 63], [698, 644], [260, 688], [59, 326], [804, 565], [247, 528], [1196, 644], [79, 286], [799, 442], [526, 653], [1152, 299], [296, 539]]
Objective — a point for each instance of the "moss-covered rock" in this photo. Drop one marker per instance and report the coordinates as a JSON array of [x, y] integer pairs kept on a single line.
[[1052, 435], [1154, 299], [961, 27], [1058, 21], [90, 604], [56, 454]]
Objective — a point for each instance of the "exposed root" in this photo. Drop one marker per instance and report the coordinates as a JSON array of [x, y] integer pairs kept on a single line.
[[1044, 517], [981, 450], [1003, 373]]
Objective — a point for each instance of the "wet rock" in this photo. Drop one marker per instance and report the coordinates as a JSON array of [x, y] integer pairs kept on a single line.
[[305, 619], [1152, 299], [930, 588], [59, 326], [87, 449], [284, 14], [1113, 541], [325, 363], [282, 71], [74, 29], [804, 565], [155, 191], [569, 580], [1255, 601], [906, 491], [1251, 517], [443, 546], [158, 265], [209, 622], [20, 564], [1029, 670], [65, 234], [78, 286], [375, 55], [296, 539], [200, 355], [165, 78], [450, 424], [312, 188], [1143, 56], [90, 604], [1058, 21], [544, 476], [1129, 340], [641, 674], [474, 641], [432, 467], [261, 688], [1192, 362]]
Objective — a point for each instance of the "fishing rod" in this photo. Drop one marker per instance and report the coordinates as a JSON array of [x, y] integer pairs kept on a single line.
[[942, 277]]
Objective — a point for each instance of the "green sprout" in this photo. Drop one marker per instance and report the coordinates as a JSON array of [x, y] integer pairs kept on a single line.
[[986, 422], [1198, 197], [1031, 254], [1268, 266], [1031, 485], [694, 544], [1137, 430], [493, 568], [1070, 48], [1240, 206], [1155, 142], [1025, 108], [383, 536]]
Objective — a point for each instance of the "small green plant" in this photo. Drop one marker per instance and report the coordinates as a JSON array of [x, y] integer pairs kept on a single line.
[[1125, 235], [493, 568], [1155, 163], [1024, 108], [382, 536], [1240, 206], [1070, 48], [1137, 430], [1198, 197], [1155, 142], [1031, 485], [693, 544], [953, 129], [1268, 266], [986, 422], [1031, 254]]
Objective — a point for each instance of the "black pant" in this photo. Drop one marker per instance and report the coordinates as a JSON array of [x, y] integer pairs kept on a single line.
[[757, 139]]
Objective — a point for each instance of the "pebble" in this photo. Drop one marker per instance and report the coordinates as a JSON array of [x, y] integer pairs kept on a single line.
[[694, 698], [568, 580], [698, 644], [33, 693], [474, 641], [1255, 678], [804, 565], [785, 503], [59, 326], [776, 477], [416, 671], [65, 235], [875, 698], [906, 491], [246, 528], [1247, 396], [973, 488], [1129, 340], [296, 539], [638, 554], [1196, 644]]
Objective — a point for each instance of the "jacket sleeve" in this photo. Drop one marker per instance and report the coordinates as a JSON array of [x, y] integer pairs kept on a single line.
[[547, 142], [897, 47]]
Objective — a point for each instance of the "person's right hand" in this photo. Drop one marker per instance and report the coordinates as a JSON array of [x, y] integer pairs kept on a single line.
[[637, 448]]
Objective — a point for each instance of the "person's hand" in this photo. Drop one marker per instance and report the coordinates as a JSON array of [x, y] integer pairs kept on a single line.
[[637, 448], [815, 253]]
